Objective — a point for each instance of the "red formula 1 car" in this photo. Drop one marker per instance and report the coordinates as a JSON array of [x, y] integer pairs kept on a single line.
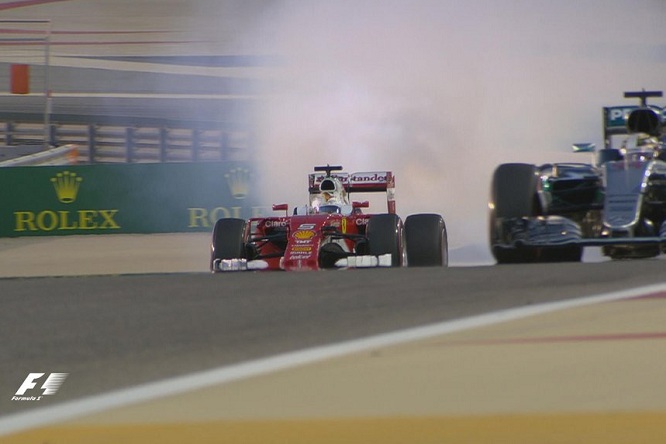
[[331, 231]]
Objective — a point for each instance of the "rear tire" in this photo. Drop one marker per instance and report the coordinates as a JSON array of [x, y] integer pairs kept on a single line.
[[228, 240], [386, 235], [631, 252], [426, 241]]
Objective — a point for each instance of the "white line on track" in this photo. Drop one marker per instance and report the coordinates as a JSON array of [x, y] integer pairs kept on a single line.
[[173, 386]]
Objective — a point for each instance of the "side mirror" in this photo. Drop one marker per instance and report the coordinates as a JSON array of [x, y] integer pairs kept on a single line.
[[364, 204], [584, 147], [281, 207]]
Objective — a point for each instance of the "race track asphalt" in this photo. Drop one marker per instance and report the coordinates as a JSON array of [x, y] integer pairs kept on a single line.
[[130, 327]]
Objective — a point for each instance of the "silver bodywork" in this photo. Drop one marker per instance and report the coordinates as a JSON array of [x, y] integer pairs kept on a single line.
[[619, 203], [625, 183]]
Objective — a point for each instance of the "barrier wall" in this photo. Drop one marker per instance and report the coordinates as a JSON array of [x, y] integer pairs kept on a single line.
[[123, 198]]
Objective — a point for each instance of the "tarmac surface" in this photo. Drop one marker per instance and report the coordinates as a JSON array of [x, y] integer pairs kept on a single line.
[[477, 354]]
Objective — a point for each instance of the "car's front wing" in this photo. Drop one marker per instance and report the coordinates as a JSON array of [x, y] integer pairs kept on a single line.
[[557, 231], [365, 261]]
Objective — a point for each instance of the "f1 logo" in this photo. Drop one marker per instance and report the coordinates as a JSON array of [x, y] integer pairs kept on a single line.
[[50, 386]]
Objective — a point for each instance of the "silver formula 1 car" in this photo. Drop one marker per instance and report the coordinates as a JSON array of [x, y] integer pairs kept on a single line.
[[551, 212]]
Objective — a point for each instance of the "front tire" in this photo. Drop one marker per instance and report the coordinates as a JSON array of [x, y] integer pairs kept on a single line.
[[561, 254], [426, 239], [513, 194], [228, 240]]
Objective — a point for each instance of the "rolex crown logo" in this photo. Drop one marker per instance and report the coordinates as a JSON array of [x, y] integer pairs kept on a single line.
[[238, 180], [66, 186]]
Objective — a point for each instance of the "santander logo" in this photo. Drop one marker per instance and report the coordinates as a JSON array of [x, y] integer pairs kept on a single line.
[[369, 177]]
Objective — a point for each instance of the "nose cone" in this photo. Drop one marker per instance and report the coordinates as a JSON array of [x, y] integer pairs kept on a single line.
[[302, 251]]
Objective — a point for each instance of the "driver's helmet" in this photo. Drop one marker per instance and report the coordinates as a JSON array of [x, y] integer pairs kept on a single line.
[[332, 192]]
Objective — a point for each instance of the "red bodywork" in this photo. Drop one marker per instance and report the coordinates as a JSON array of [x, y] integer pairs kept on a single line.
[[298, 239], [301, 242]]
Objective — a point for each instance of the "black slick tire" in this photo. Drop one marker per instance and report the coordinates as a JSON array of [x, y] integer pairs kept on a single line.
[[426, 241], [512, 195], [228, 240], [385, 235]]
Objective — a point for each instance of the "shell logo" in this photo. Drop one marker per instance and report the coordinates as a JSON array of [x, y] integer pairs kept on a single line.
[[304, 234]]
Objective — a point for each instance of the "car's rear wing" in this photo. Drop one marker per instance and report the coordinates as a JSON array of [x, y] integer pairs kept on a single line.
[[363, 182], [615, 121]]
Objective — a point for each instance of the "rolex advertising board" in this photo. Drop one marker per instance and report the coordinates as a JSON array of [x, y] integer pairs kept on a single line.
[[123, 198]]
